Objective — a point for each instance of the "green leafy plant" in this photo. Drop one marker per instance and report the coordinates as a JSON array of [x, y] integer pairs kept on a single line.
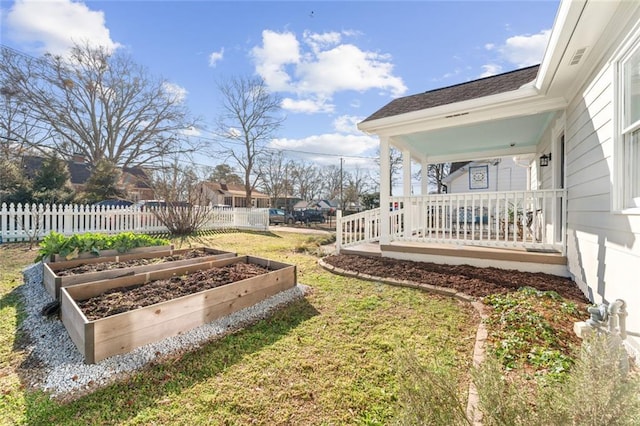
[[524, 333], [71, 247]]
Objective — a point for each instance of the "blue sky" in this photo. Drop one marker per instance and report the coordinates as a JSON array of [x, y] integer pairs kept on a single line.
[[333, 62]]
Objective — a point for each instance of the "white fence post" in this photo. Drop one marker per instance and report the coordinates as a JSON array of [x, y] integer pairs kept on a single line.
[[338, 231]]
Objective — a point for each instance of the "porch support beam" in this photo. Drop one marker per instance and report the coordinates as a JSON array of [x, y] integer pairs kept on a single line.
[[406, 173], [385, 190], [424, 177], [406, 192]]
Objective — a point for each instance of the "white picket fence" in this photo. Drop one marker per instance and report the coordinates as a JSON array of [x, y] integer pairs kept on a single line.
[[27, 222]]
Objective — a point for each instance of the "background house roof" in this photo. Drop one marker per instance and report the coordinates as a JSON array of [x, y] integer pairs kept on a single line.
[[460, 92], [232, 190], [79, 172]]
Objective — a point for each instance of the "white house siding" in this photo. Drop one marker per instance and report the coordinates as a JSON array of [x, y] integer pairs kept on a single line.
[[603, 248], [510, 177], [541, 177]]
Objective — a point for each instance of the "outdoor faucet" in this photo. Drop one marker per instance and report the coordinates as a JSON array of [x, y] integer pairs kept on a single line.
[[618, 318]]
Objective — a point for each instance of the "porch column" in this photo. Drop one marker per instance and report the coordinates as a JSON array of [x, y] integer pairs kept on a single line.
[[424, 177], [406, 173], [385, 190], [406, 192]]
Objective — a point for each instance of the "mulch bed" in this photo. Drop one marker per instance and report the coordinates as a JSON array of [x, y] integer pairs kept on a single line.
[[473, 281], [126, 299], [106, 266]]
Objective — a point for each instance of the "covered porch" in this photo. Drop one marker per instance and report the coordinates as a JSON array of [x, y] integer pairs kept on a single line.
[[499, 116], [509, 229]]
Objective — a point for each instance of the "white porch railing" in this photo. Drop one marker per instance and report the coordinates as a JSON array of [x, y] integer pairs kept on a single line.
[[510, 219], [33, 222], [358, 228]]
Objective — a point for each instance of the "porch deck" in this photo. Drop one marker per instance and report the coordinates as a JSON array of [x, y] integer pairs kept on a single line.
[[529, 260]]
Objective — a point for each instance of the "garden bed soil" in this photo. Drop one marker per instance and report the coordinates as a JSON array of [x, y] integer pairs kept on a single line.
[[470, 280], [64, 274], [126, 299], [128, 263], [131, 324]]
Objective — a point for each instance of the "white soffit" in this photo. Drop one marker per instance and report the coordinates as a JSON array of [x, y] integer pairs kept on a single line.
[[584, 26], [509, 136]]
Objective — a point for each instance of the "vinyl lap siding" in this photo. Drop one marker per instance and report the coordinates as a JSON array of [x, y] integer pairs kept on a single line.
[[603, 248]]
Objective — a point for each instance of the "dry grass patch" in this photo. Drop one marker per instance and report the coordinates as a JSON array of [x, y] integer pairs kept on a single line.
[[328, 359]]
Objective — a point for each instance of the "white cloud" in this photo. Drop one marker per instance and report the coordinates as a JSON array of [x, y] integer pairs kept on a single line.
[[216, 57], [174, 91], [319, 66], [192, 131], [55, 25], [490, 69], [319, 41], [307, 106], [334, 143], [525, 50], [277, 51], [521, 50], [347, 124]]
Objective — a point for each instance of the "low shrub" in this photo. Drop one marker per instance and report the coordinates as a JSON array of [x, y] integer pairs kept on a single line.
[[71, 247], [595, 391]]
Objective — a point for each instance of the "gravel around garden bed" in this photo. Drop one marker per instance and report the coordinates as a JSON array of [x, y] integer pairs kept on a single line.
[[54, 365]]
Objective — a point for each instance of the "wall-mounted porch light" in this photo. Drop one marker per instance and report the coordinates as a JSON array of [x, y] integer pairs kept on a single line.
[[544, 160]]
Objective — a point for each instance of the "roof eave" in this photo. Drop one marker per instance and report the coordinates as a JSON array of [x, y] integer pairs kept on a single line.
[[566, 21], [523, 101]]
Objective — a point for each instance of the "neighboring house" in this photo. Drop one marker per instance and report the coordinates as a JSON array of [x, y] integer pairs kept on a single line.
[[219, 194], [576, 115], [133, 181], [497, 174], [285, 203], [303, 205], [327, 206]]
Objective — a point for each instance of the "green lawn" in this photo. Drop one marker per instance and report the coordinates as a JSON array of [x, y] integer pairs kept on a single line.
[[331, 358]]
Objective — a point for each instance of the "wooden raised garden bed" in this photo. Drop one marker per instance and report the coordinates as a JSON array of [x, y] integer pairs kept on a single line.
[[53, 281], [55, 258], [120, 333]]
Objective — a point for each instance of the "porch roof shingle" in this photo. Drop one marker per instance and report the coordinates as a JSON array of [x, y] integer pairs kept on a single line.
[[460, 92]]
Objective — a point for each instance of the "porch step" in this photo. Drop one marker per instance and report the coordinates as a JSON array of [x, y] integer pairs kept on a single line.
[[365, 249], [474, 252]]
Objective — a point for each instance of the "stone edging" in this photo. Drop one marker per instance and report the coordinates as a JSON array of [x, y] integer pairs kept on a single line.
[[481, 334]]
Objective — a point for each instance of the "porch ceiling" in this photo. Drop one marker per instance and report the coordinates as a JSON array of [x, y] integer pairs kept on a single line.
[[486, 139]]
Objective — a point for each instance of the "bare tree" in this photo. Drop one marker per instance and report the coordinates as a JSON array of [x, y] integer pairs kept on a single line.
[[331, 181], [18, 130], [98, 103], [186, 209], [357, 184], [307, 180], [435, 175], [275, 170], [250, 117], [395, 164]]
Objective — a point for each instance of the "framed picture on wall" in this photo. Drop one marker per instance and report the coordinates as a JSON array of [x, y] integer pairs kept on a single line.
[[479, 177]]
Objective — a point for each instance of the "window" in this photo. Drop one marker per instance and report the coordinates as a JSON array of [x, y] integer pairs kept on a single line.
[[628, 84]]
